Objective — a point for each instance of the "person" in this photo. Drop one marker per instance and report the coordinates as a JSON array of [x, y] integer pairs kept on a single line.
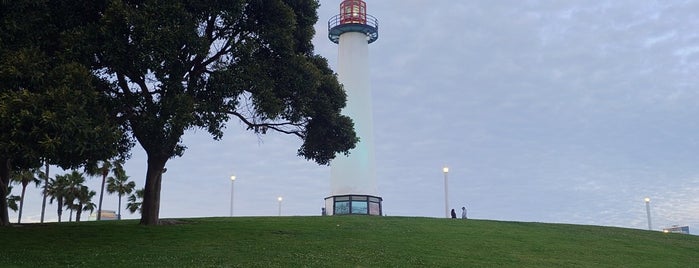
[[463, 213], [453, 214]]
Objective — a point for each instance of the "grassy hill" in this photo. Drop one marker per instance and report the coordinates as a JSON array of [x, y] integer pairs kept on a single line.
[[341, 241]]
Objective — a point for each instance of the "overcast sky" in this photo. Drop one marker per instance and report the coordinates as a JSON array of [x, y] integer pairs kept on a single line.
[[545, 111]]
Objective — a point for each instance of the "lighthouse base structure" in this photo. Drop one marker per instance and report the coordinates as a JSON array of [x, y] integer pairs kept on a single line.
[[353, 204]]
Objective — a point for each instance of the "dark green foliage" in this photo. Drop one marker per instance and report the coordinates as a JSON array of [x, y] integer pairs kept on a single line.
[[184, 64], [60, 124], [50, 106], [12, 199]]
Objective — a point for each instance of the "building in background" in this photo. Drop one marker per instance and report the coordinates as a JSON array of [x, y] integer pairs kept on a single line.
[[677, 229], [107, 215]]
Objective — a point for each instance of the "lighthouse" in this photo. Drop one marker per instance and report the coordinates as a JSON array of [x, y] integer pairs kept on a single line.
[[353, 177]]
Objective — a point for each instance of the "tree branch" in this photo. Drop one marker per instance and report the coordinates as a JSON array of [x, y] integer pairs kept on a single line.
[[123, 84], [262, 127]]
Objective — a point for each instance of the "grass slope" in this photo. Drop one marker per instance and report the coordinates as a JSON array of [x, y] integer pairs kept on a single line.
[[341, 241]]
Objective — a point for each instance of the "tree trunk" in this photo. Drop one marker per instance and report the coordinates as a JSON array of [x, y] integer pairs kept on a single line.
[[21, 203], [150, 209], [46, 185], [99, 207], [59, 211], [119, 215], [4, 182], [78, 212]]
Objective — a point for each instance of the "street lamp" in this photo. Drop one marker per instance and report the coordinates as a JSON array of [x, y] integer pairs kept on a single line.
[[280, 205], [446, 191], [648, 212], [232, 182]]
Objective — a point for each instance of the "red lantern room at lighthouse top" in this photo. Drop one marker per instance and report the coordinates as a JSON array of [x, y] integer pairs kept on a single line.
[[353, 18], [353, 11]]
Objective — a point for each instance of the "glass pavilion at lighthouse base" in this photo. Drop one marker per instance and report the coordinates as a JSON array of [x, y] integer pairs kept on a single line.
[[353, 204]]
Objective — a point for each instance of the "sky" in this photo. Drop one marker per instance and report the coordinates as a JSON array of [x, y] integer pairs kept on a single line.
[[544, 111]]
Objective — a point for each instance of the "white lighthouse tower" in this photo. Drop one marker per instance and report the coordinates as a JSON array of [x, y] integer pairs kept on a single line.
[[353, 177]]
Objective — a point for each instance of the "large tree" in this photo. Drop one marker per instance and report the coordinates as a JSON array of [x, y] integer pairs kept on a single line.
[[183, 64], [51, 105]]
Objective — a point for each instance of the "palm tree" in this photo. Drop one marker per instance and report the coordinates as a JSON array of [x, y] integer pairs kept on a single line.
[[119, 184], [102, 169], [135, 201], [12, 199], [24, 177], [75, 181], [45, 177], [84, 197], [57, 189]]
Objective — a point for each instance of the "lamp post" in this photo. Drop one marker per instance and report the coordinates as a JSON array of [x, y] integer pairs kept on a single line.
[[446, 191], [648, 212], [232, 182], [280, 205]]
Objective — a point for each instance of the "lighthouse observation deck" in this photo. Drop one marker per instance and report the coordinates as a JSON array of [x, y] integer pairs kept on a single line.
[[353, 18]]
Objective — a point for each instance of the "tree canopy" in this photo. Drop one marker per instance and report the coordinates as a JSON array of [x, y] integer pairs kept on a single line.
[[177, 65], [51, 107], [163, 67]]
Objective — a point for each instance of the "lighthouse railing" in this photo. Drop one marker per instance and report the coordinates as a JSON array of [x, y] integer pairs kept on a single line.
[[338, 19]]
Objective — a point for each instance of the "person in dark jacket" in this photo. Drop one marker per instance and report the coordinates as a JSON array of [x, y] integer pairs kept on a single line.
[[453, 214]]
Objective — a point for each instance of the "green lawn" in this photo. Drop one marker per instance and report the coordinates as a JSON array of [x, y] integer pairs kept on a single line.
[[341, 241]]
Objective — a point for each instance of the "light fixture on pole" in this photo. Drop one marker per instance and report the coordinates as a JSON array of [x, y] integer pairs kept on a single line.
[[232, 182], [280, 205], [446, 191], [648, 212]]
